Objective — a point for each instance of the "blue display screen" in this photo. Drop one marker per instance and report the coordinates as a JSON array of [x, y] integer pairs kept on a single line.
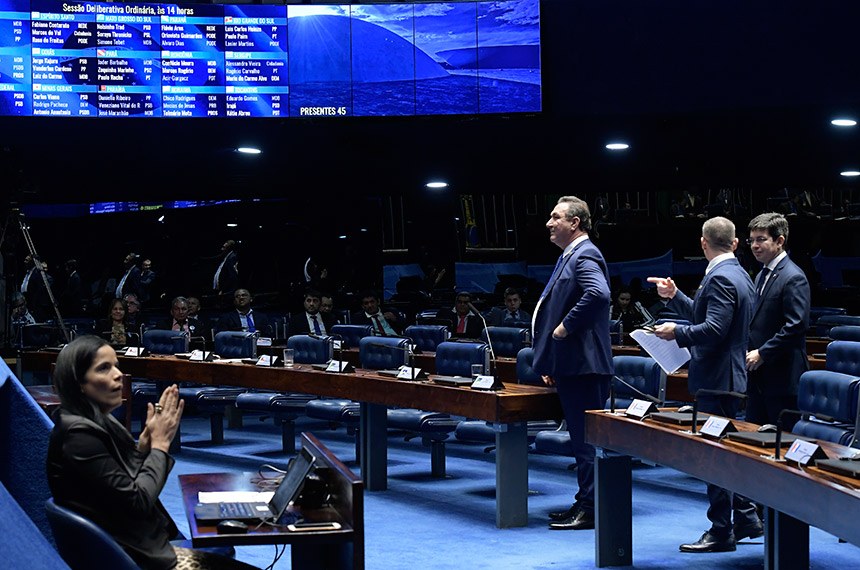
[[97, 59]]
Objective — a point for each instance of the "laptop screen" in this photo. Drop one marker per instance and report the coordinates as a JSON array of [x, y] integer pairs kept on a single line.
[[292, 484]]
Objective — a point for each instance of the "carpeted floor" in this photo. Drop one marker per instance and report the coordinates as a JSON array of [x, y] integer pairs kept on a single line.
[[421, 522]]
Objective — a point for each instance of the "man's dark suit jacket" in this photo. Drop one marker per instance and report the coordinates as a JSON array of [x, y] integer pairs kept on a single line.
[[719, 336], [231, 322], [778, 330], [228, 279], [113, 485], [132, 282], [361, 318], [299, 323], [578, 297]]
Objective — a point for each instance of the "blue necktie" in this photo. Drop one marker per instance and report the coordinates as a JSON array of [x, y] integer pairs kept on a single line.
[[251, 327], [763, 278], [552, 277], [317, 329]]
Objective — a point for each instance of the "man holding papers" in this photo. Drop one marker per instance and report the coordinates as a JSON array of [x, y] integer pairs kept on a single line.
[[572, 350], [718, 339]]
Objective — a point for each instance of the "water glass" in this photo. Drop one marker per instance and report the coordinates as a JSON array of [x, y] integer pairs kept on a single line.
[[289, 357], [477, 370]]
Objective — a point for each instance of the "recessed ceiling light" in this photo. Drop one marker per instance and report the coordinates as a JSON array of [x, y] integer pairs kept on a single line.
[[618, 146], [232, 225], [248, 150], [341, 237], [436, 185], [850, 173], [161, 218], [843, 122]]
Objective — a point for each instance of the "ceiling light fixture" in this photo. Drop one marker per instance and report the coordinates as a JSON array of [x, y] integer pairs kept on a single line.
[[618, 146], [248, 150], [438, 184], [850, 173], [843, 122], [232, 225]]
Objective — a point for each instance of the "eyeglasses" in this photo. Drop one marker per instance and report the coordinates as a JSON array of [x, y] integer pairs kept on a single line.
[[759, 240]]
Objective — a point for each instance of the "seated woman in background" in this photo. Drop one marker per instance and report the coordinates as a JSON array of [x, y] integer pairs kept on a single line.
[[627, 310], [96, 469], [115, 326]]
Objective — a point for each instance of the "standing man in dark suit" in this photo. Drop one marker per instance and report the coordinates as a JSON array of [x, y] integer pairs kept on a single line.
[[718, 340], [226, 277], [130, 281], [244, 318], [777, 348], [572, 350]]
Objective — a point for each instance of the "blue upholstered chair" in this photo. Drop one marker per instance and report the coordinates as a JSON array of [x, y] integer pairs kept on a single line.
[[159, 341], [427, 337], [830, 394], [817, 312], [236, 344], [641, 372], [845, 332], [83, 544], [826, 322], [843, 356], [213, 401], [23, 545], [506, 341], [351, 335], [456, 358], [285, 407], [481, 431]]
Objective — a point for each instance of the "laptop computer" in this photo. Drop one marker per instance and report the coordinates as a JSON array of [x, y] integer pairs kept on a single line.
[[460, 381], [287, 491], [679, 418]]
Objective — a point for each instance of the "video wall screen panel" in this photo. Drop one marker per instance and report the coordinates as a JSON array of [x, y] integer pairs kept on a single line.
[[93, 59]]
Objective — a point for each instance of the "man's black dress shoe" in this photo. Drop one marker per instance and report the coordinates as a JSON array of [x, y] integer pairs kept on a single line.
[[711, 543], [579, 521], [562, 515], [748, 531]]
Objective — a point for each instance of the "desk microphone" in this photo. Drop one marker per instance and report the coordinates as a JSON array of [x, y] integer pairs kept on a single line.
[[407, 348], [490, 344], [634, 389], [330, 338], [709, 392], [649, 318]]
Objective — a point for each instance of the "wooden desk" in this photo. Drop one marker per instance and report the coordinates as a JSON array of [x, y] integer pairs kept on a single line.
[[342, 548], [508, 410], [794, 498]]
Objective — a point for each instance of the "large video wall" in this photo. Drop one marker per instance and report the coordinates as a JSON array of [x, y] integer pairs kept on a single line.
[[93, 59]]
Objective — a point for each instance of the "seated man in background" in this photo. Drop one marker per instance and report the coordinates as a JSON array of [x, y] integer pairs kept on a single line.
[[512, 314], [465, 323], [311, 320], [384, 323], [199, 323], [327, 307], [244, 318], [132, 315]]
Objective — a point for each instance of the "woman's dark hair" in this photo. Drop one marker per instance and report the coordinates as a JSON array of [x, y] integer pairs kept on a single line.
[[70, 374]]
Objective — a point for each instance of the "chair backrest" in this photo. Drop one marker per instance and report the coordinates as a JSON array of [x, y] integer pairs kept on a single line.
[[817, 312], [525, 370], [843, 356], [309, 350], [845, 332], [236, 344], [380, 352], [831, 394], [23, 546], [160, 341], [616, 331], [506, 341], [40, 335], [83, 544], [351, 335], [427, 337], [457, 358], [642, 373], [827, 322]]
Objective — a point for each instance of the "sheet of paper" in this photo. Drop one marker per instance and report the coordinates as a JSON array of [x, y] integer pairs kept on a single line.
[[234, 496], [666, 353]]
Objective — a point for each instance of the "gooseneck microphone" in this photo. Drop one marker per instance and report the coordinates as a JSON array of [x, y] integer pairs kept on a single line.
[[709, 392], [634, 389], [410, 354], [779, 427], [489, 342], [649, 318]]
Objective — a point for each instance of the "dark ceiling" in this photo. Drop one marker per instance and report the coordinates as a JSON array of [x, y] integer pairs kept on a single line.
[[728, 93]]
